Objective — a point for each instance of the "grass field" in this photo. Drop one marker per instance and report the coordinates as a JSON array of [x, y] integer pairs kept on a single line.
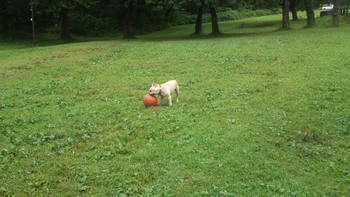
[[262, 112]]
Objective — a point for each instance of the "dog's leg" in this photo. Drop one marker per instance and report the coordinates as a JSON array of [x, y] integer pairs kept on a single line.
[[177, 90], [160, 100], [170, 100]]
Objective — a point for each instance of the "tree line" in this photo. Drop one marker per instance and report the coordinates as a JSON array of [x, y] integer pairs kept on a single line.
[[131, 16], [308, 5]]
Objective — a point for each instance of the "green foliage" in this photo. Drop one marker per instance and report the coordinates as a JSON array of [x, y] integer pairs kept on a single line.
[[98, 17], [262, 112], [87, 24]]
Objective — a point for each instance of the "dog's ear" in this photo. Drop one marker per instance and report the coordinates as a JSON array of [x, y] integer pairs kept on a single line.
[[154, 84]]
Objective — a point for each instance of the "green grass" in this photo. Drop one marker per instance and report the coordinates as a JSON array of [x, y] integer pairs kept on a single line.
[[262, 112]]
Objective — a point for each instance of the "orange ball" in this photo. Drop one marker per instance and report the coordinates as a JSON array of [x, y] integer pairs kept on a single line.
[[149, 100]]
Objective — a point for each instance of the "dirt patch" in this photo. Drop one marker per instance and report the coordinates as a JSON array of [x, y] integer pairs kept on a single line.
[[20, 68], [53, 56], [84, 49], [73, 52]]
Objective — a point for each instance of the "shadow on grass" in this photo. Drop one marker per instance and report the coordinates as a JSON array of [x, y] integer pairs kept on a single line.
[[255, 29], [260, 24], [243, 29], [209, 36], [23, 40], [44, 42]]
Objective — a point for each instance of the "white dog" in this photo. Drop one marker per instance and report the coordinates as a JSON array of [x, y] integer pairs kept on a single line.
[[165, 89]]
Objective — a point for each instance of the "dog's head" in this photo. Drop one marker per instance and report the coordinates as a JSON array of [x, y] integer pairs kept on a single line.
[[155, 89]]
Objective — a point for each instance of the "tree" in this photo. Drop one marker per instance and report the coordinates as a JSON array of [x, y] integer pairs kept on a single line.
[[59, 11], [128, 17], [63, 12], [66, 8], [14, 15], [310, 12], [4, 15], [293, 8], [214, 19], [137, 13], [198, 26], [335, 13], [199, 7], [285, 14], [65, 22], [32, 19]]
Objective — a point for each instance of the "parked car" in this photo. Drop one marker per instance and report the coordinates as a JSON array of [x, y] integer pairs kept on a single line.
[[327, 6]]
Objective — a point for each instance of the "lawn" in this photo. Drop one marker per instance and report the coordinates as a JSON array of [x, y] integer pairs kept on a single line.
[[262, 112]]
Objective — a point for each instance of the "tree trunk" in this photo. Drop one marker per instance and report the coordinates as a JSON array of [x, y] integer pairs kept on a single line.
[[214, 21], [293, 8], [32, 19], [65, 28], [285, 14], [169, 10], [198, 27], [5, 22], [310, 12], [336, 12], [4, 16], [128, 22]]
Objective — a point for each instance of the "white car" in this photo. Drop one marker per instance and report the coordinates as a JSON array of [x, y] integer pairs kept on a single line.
[[327, 6]]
